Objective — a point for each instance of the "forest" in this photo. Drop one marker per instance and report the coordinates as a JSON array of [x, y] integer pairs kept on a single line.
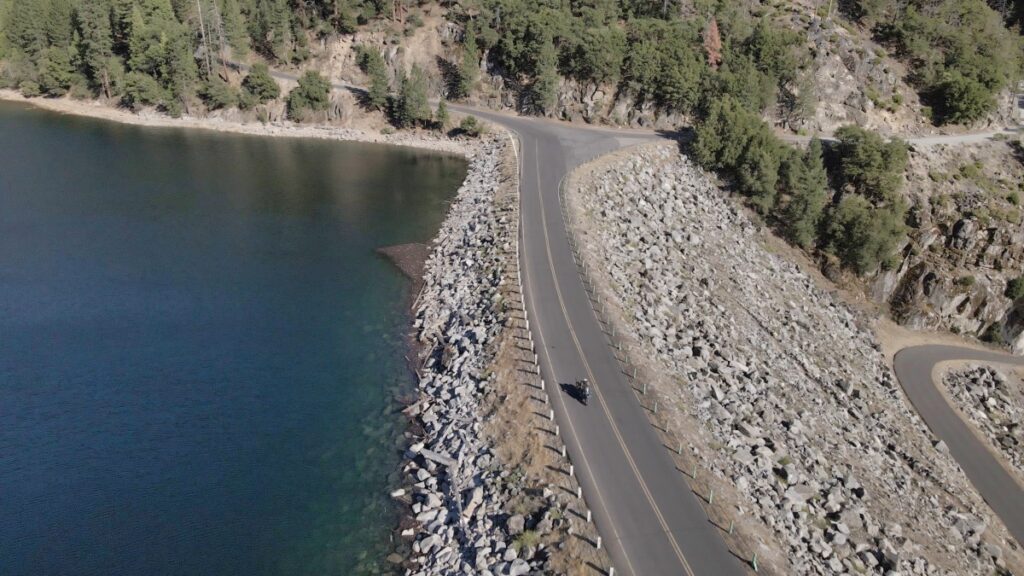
[[722, 64]]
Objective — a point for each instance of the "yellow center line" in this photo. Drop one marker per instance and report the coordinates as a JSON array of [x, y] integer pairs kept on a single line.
[[571, 426], [600, 397]]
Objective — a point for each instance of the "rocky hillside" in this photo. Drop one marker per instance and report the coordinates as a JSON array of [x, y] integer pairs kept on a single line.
[[966, 243], [780, 388]]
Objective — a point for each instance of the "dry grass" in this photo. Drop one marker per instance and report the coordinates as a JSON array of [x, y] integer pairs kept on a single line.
[[522, 436]]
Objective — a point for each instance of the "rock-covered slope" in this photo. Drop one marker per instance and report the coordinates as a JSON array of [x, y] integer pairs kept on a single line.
[[995, 404], [779, 387], [481, 498], [456, 496]]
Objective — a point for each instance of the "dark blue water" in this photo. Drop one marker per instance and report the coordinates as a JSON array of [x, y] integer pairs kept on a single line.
[[198, 347]]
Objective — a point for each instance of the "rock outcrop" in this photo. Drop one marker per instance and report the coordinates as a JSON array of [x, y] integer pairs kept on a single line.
[[780, 389], [966, 243]]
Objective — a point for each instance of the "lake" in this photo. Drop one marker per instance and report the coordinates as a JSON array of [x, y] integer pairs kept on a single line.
[[199, 347]]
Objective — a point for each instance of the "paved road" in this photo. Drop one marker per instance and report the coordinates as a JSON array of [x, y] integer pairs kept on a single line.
[[995, 484], [976, 137], [651, 522]]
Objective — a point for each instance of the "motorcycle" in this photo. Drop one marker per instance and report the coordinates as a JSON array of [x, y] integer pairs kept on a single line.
[[583, 390]]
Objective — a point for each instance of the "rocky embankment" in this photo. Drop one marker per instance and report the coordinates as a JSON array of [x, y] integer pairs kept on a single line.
[[966, 243], [456, 487], [995, 404], [779, 388]]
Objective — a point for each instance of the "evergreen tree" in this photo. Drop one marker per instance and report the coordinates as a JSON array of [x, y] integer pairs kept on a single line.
[[58, 24], [411, 107], [234, 28], [313, 94], [260, 84], [862, 235], [441, 117], [55, 71], [807, 183], [95, 45], [26, 28], [470, 68], [545, 85], [372, 64], [869, 165]]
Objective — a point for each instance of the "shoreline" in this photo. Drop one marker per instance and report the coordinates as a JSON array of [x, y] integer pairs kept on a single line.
[[152, 119], [429, 268]]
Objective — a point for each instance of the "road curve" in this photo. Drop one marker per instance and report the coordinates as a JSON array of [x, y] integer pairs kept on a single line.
[[914, 367], [651, 521], [976, 137]]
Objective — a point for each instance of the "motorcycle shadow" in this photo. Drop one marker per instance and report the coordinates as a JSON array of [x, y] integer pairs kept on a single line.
[[574, 392]]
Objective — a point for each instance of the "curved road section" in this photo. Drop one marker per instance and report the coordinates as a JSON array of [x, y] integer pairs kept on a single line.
[[914, 367], [651, 521]]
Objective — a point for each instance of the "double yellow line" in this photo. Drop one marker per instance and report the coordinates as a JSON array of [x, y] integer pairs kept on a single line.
[[597, 391]]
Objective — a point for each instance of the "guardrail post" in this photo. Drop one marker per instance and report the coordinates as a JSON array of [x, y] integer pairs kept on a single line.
[[598, 542], [655, 406], [556, 433], [572, 469], [644, 389], [679, 449], [579, 492], [590, 516], [753, 562], [551, 415], [711, 497], [732, 524], [563, 451]]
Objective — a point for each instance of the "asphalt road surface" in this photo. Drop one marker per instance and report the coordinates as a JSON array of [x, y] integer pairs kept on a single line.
[[651, 521], [995, 484]]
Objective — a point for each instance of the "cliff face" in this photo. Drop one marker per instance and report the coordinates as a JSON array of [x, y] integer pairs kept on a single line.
[[965, 245]]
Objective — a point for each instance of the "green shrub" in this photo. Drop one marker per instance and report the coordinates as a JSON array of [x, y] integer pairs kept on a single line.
[[30, 89], [218, 94], [260, 85], [313, 94], [862, 235], [470, 126], [142, 90], [1015, 288], [869, 165]]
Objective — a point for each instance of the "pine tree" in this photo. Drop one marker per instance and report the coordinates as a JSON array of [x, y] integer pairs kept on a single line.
[[713, 44], [441, 117], [807, 182], [95, 44], [234, 28], [411, 107], [545, 85], [372, 64], [470, 69], [26, 30]]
